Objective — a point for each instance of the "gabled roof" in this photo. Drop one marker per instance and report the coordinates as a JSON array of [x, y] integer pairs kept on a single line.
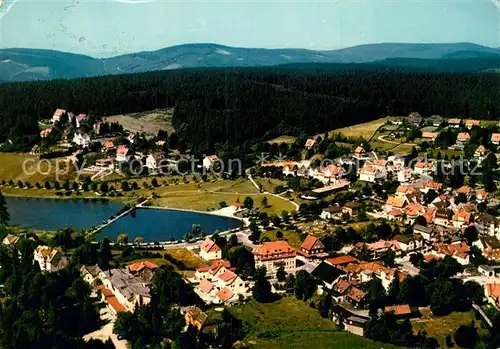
[[495, 137], [356, 294], [327, 273], [464, 190], [463, 136], [206, 286], [341, 260], [225, 294], [274, 247], [481, 149], [432, 135], [310, 241], [138, 266], [342, 286], [395, 201], [209, 246], [403, 309], [310, 142], [227, 276], [454, 121], [122, 150], [424, 164]]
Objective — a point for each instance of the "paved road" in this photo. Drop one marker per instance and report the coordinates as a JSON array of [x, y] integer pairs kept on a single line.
[[106, 332]]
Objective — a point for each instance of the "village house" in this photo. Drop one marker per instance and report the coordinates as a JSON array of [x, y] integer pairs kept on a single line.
[[492, 293], [424, 168], [122, 153], [209, 250], [463, 138], [213, 271], [490, 246], [443, 217], [91, 273], [395, 203], [480, 153], [430, 185], [80, 119], [397, 160], [144, 269], [487, 224], [371, 174], [426, 233], [312, 246], [194, 316], [10, 240], [81, 139], [404, 175], [435, 120], [340, 289], [131, 138], [380, 247], [274, 254], [109, 146], [458, 251], [49, 259], [155, 162], [409, 243], [471, 123], [481, 195], [340, 262], [359, 152], [430, 135], [310, 143], [461, 219], [327, 274], [495, 138], [489, 271], [466, 190], [455, 123], [57, 115], [356, 297], [225, 288], [209, 161], [331, 212], [46, 132], [351, 208], [353, 322], [415, 118], [400, 311], [131, 291]]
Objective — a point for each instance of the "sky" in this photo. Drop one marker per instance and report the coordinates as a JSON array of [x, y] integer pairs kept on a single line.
[[104, 28]]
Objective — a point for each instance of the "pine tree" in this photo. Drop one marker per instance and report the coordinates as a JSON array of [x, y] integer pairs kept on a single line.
[[4, 213]]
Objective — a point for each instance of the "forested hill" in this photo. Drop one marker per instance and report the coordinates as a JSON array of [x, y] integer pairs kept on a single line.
[[247, 104], [33, 64]]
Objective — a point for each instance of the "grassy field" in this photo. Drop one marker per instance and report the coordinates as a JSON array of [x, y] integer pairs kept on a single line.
[[440, 327], [290, 323], [291, 236], [365, 130], [282, 139], [268, 184], [187, 257], [148, 122], [26, 167], [207, 196]]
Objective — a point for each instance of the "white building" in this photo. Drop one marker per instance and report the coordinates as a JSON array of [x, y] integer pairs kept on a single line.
[[424, 168], [49, 259], [404, 175], [209, 161], [57, 115], [122, 153], [273, 255], [155, 161], [81, 139], [209, 250], [368, 174]]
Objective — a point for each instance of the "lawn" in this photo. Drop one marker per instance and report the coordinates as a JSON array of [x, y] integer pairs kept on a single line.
[[145, 122], [365, 130], [440, 327], [187, 257], [33, 170], [291, 236], [268, 184], [207, 196], [290, 323], [282, 139]]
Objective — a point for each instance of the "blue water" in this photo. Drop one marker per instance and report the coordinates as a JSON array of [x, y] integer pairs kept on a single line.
[[165, 225], [150, 224], [53, 214]]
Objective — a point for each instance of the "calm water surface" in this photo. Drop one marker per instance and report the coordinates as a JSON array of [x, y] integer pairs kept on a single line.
[[151, 224]]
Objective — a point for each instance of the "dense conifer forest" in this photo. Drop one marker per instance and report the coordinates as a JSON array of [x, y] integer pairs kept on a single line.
[[245, 105]]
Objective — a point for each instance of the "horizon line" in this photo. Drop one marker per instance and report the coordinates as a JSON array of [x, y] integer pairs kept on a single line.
[[243, 47]]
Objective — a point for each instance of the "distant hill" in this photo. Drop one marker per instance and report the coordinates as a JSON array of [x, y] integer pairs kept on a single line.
[[35, 64]]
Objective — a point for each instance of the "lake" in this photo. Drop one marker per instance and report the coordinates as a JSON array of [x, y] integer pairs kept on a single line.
[[165, 225], [53, 214], [150, 224]]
